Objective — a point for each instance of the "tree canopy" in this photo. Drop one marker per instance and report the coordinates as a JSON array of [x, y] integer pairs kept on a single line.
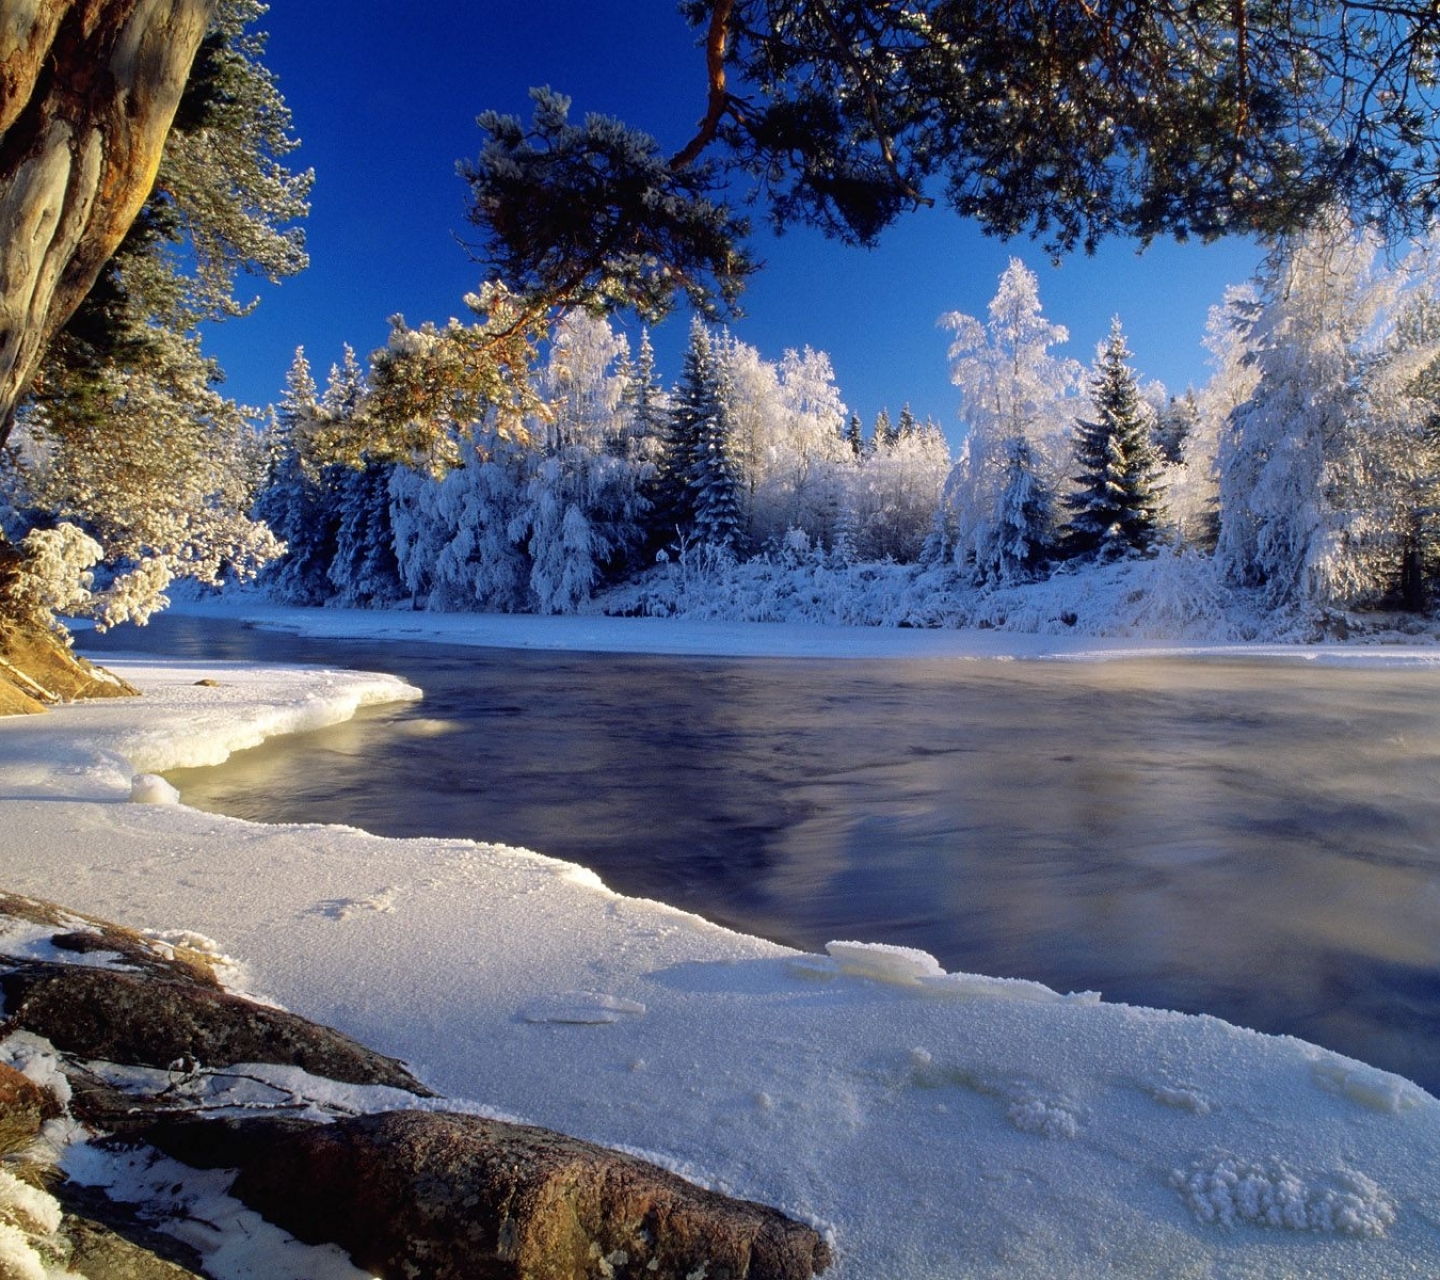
[[1072, 121]]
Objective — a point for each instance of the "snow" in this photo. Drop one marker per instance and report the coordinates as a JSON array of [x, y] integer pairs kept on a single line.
[[932, 1124]]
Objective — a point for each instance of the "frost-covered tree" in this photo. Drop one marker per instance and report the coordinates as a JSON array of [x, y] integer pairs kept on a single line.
[[797, 465], [166, 491], [1011, 388], [586, 492], [454, 543], [293, 503], [1415, 470], [894, 492], [1115, 506], [1306, 513], [363, 572]]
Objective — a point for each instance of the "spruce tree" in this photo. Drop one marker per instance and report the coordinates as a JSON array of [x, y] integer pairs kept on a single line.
[[294, 503], [694, 401], [1116, 505], [714, 474], [1022, 535]]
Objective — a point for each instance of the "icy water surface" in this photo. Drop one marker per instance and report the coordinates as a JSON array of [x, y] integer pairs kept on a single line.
[[1259, 841]]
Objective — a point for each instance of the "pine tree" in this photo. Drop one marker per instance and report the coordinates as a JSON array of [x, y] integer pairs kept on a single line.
[[1022, 535], [291, 502], [714, 479], [363, 570], [1116, 506], [694, 402], [647, 408], [854, 436], [906, 425]]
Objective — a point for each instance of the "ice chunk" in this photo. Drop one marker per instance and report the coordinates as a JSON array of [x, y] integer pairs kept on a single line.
[[904, 966], [1181, 1097], [1369, 1086], [151, 788]]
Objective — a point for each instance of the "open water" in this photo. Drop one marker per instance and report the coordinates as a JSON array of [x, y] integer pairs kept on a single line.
[[1255, 840]]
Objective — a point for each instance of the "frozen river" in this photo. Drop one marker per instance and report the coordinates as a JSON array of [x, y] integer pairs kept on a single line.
[[1256, 840]]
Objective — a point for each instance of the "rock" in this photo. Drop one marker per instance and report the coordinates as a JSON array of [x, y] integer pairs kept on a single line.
[[146, 1020], [99, 1253], [38, 669], [439, 1196], [24, 1107], [88, 935]]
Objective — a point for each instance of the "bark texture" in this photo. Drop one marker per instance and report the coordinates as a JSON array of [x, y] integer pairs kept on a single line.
[[88, 91]]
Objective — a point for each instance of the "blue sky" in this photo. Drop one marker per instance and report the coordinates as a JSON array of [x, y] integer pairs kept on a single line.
[[385, 99]]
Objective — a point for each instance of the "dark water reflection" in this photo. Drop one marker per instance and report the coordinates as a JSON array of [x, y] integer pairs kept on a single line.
[[1257, 841]]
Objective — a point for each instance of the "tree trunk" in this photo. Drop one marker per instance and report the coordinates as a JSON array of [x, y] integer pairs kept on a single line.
[[88, 90]]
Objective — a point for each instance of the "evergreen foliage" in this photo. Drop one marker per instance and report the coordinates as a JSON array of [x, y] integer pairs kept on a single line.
[[1115, 506]]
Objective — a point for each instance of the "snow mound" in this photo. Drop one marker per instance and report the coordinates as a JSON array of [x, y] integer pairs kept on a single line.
[[1048, 1118], [1229, 1191]]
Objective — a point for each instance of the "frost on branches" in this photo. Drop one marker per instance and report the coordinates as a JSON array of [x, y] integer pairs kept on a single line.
[[1314, 505], [164, 492], [1013, 392]]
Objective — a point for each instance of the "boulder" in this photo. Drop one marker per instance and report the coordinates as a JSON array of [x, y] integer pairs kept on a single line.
[[146, 1020], [435, 1196]]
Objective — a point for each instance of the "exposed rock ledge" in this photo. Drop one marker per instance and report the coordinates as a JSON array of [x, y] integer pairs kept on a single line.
[[407, 1193], [38, 669]]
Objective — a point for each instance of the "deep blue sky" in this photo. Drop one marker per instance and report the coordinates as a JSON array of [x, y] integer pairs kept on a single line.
[[385, 98]]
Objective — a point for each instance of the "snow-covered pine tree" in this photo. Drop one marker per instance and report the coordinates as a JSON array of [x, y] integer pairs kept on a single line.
[[646, 409], [855, 435], [1115, 506], [884, 434], [714, 479], [292, 503], [1174, 426], [1021, 538], [693, 402], [363, 571]]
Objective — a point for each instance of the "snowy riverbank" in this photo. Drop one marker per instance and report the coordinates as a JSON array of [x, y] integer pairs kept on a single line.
[[938, 1126]]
